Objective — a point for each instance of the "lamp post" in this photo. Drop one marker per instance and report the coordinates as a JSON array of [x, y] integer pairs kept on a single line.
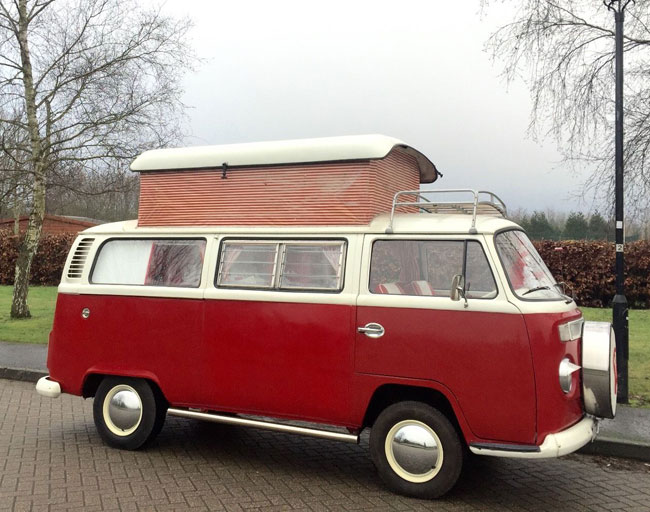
[[620, 309]]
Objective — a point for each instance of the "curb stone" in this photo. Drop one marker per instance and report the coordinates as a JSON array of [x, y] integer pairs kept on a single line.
[[610, 447], [22, 374]]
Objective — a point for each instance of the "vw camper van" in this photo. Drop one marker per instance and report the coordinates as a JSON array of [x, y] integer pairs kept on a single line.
[[315, 282]]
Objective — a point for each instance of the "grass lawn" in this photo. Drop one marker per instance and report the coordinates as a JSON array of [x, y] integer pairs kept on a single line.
[[42, 299]]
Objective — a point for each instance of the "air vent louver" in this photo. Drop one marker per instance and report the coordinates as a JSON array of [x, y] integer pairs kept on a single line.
[[79, 258]]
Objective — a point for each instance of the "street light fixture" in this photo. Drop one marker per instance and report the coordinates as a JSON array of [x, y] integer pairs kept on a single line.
[[620, 306]]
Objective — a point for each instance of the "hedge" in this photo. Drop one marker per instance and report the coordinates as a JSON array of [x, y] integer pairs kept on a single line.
[[48, 262], [587, 267]]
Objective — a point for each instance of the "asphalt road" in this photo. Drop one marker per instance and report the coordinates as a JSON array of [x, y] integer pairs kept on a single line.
[[52, 459]]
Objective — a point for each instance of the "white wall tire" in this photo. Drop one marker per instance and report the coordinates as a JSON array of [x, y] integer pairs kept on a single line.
[[416, 450], [128, 413]]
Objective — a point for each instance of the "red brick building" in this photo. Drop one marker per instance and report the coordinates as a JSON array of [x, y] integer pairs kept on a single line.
[[52, 224]]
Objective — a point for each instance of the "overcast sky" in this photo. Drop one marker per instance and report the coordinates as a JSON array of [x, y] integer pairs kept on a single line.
[[415, 70]]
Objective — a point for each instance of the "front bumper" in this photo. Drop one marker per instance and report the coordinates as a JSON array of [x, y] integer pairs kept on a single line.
[[47, 387], [555, 445]]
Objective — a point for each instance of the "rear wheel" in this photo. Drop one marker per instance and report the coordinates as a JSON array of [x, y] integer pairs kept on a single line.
[[128, 413], [416, 450]]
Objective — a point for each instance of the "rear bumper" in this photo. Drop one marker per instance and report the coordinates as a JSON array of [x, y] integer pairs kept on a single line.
[[47, 387], [555, 445]]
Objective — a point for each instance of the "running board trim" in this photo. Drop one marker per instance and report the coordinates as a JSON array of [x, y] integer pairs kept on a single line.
[[266, 425]]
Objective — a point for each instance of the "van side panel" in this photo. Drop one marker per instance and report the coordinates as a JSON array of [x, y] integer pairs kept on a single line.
[[483, 359], [282, 359], [149, 337]]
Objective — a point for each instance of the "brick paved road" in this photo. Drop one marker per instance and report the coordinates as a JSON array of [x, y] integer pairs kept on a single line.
[[51, 457]]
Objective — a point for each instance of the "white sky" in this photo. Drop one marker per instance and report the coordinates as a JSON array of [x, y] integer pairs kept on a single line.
[[415, 70]]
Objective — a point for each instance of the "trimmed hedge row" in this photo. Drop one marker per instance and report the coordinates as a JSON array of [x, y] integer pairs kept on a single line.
[[587, 267], [48, 262]]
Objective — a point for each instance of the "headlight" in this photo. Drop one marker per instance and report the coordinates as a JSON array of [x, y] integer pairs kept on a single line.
[[566, 370]]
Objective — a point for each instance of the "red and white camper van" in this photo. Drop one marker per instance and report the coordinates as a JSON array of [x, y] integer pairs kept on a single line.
[[313, 280]]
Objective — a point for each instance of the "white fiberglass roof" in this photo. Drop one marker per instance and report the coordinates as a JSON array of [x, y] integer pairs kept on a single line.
[[326, 149]]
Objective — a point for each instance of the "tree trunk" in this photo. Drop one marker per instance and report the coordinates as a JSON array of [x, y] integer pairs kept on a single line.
[[29, 244], [17, 211], [27, 250]]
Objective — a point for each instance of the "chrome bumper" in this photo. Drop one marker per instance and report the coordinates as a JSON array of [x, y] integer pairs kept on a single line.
[[555, 445], [47, 387]]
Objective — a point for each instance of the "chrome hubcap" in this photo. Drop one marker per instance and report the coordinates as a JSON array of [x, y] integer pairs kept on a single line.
[[122, 410], [414, 451]]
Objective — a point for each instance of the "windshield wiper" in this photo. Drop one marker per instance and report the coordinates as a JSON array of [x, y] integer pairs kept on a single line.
[[536, 290]]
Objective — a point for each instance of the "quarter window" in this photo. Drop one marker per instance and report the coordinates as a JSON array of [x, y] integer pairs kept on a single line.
[[176, 263], [290, 265]]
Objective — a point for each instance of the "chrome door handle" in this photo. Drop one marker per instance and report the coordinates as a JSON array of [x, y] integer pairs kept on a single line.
[[372, 330]]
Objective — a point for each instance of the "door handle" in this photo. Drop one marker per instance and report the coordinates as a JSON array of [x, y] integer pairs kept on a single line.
[[372, 330]]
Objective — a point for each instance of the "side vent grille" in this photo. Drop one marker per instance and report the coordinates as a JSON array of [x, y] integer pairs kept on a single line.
[[79, 258]]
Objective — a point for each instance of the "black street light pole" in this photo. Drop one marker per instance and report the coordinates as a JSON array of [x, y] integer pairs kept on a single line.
[[620, 308]]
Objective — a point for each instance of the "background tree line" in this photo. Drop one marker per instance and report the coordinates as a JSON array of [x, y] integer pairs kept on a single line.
[[552, 225]]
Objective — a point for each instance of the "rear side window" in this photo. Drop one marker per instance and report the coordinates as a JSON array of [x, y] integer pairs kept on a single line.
[[427, 267], [282, 265], [161, 262]]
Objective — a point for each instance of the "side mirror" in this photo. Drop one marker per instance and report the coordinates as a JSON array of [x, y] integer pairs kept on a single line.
[[457, 288]]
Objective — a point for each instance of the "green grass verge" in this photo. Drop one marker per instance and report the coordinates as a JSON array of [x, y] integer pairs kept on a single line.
[[43, 298], [41, 301], [639, 362]]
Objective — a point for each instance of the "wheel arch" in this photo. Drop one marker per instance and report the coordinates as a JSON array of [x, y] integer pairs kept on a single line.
[[92, 381], [389, 394]]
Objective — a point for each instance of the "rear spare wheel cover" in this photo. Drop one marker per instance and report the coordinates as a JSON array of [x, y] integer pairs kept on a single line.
[[599, 369]]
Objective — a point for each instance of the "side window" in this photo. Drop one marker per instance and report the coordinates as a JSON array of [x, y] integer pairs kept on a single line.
[[427, 267], [161, 262], [415, 267], [290, 265], [248, 265], [313, 266]]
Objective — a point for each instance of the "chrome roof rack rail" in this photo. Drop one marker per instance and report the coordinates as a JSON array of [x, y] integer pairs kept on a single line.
[[482, 202]]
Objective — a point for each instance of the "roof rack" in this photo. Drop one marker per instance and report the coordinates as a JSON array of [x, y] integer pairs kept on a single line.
[[482, 203]]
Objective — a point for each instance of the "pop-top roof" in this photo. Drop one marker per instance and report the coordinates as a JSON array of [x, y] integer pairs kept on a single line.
[[284, 152]]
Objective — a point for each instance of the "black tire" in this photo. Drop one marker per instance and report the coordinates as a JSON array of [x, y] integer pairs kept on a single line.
[[135, 421], [410, 468]]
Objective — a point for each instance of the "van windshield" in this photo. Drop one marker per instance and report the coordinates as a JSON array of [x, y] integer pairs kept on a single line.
[[527, 273]]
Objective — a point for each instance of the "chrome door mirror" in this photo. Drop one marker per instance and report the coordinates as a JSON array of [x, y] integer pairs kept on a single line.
[[458, 288]]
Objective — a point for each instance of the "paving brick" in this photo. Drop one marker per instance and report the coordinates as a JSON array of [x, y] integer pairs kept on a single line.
[[51, 458]]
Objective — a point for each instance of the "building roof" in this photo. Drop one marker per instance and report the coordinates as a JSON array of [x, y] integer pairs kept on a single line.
[[284, 152], [66, 219]]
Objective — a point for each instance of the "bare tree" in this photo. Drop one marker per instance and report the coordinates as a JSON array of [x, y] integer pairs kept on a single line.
[[96, 80], [564, 50]]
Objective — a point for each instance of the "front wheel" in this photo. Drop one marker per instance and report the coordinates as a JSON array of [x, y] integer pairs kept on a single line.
[[416, 450], [127, 412]]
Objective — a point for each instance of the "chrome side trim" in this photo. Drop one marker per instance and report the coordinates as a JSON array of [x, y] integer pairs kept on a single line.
[[266, 425]]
